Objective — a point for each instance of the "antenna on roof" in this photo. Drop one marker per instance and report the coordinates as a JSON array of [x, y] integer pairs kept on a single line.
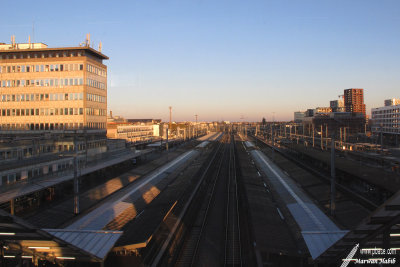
[[13, 41], [100, 46], [88, 39], [33, 33]]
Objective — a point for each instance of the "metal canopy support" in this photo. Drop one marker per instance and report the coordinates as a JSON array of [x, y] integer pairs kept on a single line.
[[322, 138], [12, 206]]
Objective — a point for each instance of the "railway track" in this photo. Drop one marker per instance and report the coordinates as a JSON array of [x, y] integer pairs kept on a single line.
[[232, 235], [214, 238], [210, 220]]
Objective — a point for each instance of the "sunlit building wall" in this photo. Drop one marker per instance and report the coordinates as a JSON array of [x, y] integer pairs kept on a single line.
[[44, 88]]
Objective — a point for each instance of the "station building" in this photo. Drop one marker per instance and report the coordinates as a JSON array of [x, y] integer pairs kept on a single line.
[[52, 100]]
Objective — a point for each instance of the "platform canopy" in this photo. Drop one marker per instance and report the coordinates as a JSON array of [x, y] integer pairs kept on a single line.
[[20, 239], [381, 229]]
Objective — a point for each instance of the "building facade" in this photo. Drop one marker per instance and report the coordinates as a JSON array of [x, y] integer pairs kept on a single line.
[[53, 102], [392, 102], [337, 105], [354, 100], [44, 88], [299, 116], [132, 132], [386, 119], [322, 110]]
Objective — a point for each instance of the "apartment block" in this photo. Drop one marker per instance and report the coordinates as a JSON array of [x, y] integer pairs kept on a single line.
[[354, 100]]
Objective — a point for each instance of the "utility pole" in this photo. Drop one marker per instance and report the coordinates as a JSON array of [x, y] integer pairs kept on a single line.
[[326, 136], [76, 181], [333, 175], [322, 138], [272, 135], [166, 144], [381, 139], [313, 135], [285, 130], [170, 118], [196, 125]]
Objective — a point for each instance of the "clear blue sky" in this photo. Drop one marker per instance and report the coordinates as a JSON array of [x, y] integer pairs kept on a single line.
[[225, 59]]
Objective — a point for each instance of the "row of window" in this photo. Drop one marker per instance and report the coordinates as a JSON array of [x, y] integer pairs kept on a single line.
[[41, 97], [135, 129], [385, 117], [28, 150], [35, 172], [51, 112], [95, 84], [42, 55], [52, 126], [96, 98], [386, 111], [96, 112], [40, 68], [42, 112], [42, 82], [96, 70]]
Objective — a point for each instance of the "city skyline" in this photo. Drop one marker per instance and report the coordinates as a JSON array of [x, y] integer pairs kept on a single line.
[[226, 60]]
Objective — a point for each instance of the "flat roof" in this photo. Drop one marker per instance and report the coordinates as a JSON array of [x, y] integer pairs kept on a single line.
[[369, 233], [32, 185], [318, 230], [87, 48], [54, 244]]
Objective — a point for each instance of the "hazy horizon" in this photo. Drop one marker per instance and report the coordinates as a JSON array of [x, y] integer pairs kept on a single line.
[[225, 60]]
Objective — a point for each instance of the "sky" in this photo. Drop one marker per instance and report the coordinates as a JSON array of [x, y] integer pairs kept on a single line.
[[225, 59]]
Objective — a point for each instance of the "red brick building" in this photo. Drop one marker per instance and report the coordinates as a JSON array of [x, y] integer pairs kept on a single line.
[[354, 100]]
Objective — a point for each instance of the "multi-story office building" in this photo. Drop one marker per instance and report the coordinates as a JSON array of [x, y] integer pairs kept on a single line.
[[44, 88], [354, 100], [386, 119], [52, 100]]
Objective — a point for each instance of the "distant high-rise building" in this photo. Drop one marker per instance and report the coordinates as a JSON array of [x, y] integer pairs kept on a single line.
[[354, 100]]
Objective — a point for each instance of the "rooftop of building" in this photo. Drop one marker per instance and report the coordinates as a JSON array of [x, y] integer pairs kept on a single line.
[[42, 47]]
